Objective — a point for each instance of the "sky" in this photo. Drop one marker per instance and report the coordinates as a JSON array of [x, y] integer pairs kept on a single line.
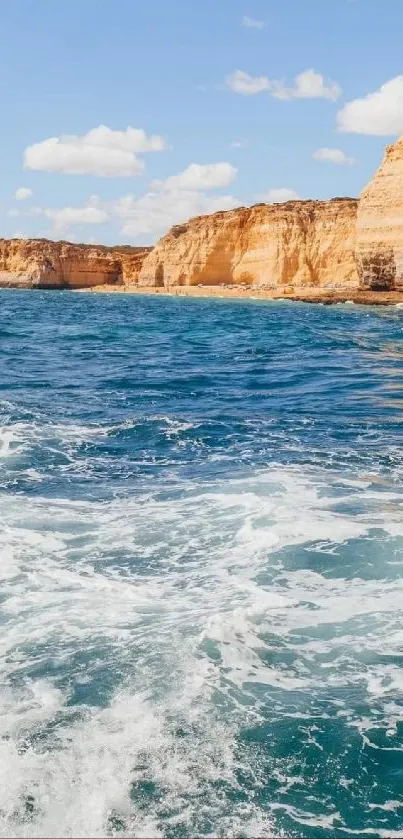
[[123, 117]]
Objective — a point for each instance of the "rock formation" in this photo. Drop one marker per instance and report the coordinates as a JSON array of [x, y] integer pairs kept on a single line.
[[342, 244], [379, 249], [39, 263], [299, 244], [299, 247]]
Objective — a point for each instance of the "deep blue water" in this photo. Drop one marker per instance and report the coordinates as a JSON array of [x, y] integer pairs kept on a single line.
[[201, 568]]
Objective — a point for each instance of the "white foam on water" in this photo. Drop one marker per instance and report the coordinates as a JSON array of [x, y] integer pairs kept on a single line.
[[166, 596], [175, 427], [375, 833], [19, 438], [84, 781], [12, 440]]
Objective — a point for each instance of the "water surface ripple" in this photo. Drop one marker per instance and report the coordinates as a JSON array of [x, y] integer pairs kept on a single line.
[[201, 600]]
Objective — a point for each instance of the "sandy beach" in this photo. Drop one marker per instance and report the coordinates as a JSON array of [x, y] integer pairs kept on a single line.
[[303, 295]]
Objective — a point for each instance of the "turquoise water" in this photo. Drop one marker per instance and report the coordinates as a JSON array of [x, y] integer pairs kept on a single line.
[[201, 568]]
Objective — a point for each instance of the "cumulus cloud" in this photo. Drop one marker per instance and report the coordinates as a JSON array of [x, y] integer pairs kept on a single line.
[[22, 193], [167, 202], [199, 177], [246, 85], [278, 195], [64, 217], [238, 144], [155, 212], [174, 200], [13, 213], [102, 152], [307, 85], [333, 156], [379, 113], [251, 23]]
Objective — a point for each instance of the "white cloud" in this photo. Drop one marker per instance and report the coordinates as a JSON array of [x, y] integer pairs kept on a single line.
[[379, 113], [251, 23], [238, 144], [132, 139], [150, 215], [247, 85], [13, 213], [168, 202], [312, 85], [175, 200], [102, 152], [19, 235], [307, 85], [65, 217], [279, 195], [200, 177], [22, 193], [333, 156], [155, 212]]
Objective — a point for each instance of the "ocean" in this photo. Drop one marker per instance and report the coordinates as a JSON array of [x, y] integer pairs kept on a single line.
[[201, 568]]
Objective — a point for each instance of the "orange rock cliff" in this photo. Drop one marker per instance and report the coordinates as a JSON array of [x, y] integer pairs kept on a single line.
[[343, 245], [39, 263], [379, 232], [299, 243]]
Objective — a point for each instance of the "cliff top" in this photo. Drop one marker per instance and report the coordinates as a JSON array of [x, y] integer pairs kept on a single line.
[[283, 206], [126, 249]]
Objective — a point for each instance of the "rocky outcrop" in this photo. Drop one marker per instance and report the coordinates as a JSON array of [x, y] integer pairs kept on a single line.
[[295, 248], [339, 244], [272, 246], [39, 263], [379, 249]]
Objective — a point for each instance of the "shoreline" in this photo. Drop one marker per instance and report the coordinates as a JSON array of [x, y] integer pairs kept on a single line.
[[326, 297]]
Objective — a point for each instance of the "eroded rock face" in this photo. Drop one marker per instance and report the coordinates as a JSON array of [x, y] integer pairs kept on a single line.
[[298, 243], [38, 263], [342, 244], [379, 250]]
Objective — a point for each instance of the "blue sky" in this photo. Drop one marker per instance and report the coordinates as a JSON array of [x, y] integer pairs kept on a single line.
[[168, 68]]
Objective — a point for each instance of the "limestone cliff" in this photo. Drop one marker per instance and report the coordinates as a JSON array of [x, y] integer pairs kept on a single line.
[[298, 243], [299, 247], [379, 250], [39, 263]]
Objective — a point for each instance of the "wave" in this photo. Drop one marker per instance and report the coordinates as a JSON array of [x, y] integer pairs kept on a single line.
[[146, 643], [201, 576]]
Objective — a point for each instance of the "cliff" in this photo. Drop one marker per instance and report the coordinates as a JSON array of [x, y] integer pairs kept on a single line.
[[379, 249], [39, 263], [342, 244], [298, 243], [295, 248]]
